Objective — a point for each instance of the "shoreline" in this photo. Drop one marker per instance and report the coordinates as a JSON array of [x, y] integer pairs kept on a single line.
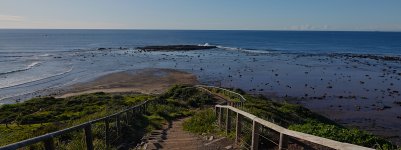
[[332, 83], [157, 80], [147, 81]]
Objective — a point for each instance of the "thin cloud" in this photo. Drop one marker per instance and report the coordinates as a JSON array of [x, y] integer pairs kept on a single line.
[[11, 18], [310, 27]]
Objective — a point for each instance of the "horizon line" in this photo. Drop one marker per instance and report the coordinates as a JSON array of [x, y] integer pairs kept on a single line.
[[198, 29]]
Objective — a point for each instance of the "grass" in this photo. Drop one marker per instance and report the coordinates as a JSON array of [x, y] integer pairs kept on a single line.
[[39, 116], [202, 122], [49, 109], [298, 118], [43, 115], [338, 133]]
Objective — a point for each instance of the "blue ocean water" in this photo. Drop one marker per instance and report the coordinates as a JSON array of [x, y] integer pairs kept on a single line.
[[294, 41], [32, 60]]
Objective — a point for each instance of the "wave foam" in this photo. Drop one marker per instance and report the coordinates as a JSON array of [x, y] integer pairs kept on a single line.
[[45, 55], [258, 51], [37, 79], [30, 66]]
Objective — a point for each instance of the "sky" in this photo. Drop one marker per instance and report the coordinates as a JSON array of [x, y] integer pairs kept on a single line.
[[331, 15]]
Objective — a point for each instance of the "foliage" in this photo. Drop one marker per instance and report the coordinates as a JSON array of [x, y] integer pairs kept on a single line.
[[298, 118], [283, 113], [202, 122], [49, 109], [341, 134], [43, 115], [188, 96], [39, 116]]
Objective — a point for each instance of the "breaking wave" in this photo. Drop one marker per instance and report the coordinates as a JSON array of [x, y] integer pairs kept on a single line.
[[30, 66], [248, 50]]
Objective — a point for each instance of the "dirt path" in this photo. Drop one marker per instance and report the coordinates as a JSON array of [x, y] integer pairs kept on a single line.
[[173, 137]]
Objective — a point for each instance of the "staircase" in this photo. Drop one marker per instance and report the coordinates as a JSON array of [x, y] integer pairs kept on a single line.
[[173, 137]]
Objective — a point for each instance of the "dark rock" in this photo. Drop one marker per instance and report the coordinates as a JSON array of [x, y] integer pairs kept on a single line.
[[175, 48]]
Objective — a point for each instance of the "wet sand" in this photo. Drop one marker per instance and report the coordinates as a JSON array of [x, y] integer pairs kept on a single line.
[[149, 81]]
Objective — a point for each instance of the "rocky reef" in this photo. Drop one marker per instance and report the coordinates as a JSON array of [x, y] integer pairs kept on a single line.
[[175, 47]]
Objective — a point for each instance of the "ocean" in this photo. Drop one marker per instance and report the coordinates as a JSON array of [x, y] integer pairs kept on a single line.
[[32, 60], [351, 77], [295, 41]]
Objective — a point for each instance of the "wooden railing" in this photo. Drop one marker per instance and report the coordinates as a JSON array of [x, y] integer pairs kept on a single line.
[[48, 139], [226, 92], [233, 111], [284, 134]]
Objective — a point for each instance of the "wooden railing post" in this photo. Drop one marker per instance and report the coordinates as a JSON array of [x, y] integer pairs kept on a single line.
[[107, 135], [118, 124], [49, 144], [238, 128], [216, 112], [127, 117], [283, 144], [220, 116], [255, 136], [228, 120], [88, 137]]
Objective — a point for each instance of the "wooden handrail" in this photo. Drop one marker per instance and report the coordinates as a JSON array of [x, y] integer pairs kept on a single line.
[[242, 98], [285, 132], [84, 126]]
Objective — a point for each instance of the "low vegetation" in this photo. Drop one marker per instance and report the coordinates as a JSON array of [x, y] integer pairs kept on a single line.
[[225, 94], [42, 115], [298, 118], [39, 116], [202, 122], [342, 134], [294, 117]]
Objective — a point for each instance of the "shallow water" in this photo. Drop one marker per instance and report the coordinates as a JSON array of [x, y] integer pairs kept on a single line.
[[355, 91]]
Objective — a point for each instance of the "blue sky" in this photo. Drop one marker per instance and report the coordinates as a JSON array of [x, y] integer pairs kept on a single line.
[[372, 15]]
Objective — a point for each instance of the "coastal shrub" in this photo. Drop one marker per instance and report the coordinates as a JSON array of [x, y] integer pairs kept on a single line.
[[281, 113], [49, 109], [188, 95], [39, 116], [202, 122], [341, 134], [298, 118], [42, 115]]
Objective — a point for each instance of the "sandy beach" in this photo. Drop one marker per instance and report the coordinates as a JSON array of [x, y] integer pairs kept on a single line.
[[148, 81]]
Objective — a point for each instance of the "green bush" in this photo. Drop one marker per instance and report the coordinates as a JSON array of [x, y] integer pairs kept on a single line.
[[49, 109], [202, 122], [188, 96], [341, 134]]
